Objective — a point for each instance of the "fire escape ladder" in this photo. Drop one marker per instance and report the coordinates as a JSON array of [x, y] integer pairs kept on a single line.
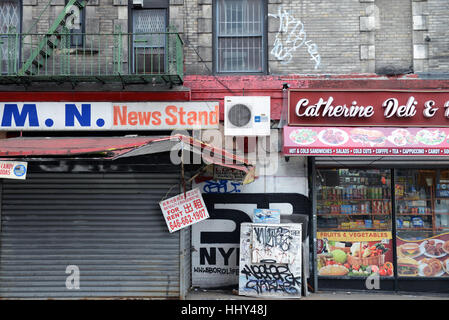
[[56, 36]]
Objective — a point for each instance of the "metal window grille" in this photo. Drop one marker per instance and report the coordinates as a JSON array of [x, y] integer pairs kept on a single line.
[[149, 49], [9, 23], [240, 36]]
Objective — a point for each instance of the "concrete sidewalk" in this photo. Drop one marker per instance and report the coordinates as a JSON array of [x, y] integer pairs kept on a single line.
[[200, 294]]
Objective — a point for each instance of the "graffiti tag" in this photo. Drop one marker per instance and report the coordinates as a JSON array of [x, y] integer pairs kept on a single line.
[[291, 36], [221, 186], [273, 237], [271, 278]]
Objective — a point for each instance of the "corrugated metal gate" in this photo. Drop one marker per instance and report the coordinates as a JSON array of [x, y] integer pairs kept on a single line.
[[108, 225]]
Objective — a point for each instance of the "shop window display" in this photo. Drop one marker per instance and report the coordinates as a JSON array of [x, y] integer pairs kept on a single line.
[[422, 212], [354, 217], [354, 222]]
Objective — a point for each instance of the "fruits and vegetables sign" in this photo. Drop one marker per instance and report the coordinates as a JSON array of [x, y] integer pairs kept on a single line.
[[424, 258], [355, 253]]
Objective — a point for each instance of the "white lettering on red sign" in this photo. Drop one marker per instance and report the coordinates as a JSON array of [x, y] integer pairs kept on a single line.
[[392, 108], [326, 109]]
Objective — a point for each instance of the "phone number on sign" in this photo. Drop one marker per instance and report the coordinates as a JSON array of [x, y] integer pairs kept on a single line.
[[188, 219]]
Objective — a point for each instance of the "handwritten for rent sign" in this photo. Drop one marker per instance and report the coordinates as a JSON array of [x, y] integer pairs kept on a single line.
[[182, 211]]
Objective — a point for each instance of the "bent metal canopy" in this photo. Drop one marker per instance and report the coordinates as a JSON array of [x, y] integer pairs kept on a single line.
[[118, 147]]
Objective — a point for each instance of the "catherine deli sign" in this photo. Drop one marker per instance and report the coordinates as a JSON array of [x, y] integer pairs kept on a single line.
[[108, 115], [184, 210], [368, 108]]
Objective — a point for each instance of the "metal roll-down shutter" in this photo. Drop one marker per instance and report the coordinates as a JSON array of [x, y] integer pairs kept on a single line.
[[108, 225]]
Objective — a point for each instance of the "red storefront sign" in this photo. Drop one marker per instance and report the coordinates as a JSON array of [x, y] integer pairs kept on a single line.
[[369, 108], [365, 141]]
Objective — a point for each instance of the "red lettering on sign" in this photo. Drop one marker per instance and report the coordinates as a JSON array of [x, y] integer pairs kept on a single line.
[[121, 116], [172, 119], [156, 118]]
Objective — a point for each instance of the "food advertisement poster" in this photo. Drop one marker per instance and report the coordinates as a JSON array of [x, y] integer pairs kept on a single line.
[[365, 141], [355, 254], [184, 210], [424, 258]]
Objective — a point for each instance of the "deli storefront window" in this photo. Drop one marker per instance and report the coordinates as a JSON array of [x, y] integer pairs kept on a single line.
[[354, 222], [422, 222]]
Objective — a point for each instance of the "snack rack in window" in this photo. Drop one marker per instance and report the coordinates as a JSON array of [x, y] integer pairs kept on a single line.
[[415, 202], [356, 200], [422, 202]]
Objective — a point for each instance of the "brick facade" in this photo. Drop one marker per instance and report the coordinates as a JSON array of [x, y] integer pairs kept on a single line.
[[353, 37]]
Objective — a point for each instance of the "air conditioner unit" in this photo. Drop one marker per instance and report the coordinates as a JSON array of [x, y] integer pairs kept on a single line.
[[138, 3], [247, 116]]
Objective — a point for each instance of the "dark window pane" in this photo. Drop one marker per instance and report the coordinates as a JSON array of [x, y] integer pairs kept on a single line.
[[9, 18], [149, 60], [149, 27], [240, 54], [240, 36], [77, 36], [240, 17]]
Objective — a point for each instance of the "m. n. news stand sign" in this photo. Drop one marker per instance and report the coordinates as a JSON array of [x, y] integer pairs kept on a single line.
[[61, 116]]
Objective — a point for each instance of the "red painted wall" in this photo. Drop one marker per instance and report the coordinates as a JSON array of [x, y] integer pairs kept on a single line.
[[125, 96], [217, 87]]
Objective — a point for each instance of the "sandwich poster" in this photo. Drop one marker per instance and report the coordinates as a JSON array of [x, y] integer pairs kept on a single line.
[[355, 254], [424, 258], [365, 141]]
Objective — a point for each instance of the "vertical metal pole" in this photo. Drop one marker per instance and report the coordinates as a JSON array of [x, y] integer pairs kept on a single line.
[[117, 49], [394, 230], [1, 197], [12, 50], [311, 168], [184, 246]]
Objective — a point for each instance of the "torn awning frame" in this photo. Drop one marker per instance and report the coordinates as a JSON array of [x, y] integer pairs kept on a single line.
[[111, 148]]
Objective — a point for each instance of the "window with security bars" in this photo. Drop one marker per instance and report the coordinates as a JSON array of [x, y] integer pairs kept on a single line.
[[9, 35], [239, 36], [149, 40], [79, 25]]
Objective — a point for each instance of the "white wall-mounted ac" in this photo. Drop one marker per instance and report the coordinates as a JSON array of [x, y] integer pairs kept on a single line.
[[247, 116], [138, 3]]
